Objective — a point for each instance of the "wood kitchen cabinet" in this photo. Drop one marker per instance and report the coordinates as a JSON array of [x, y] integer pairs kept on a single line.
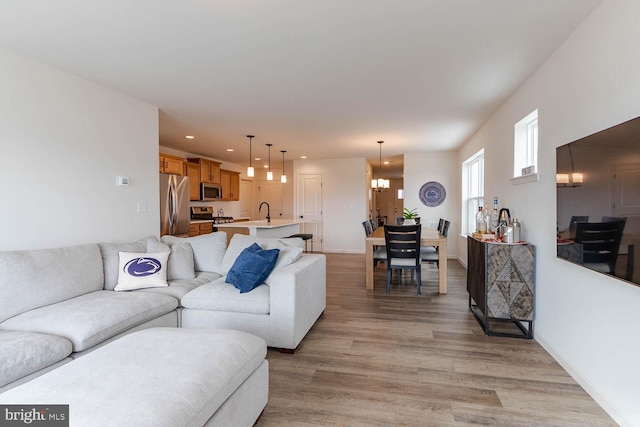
[[171, 164], [209, 170], [200, 228], [192, 170], [501, 286], [230, 182]]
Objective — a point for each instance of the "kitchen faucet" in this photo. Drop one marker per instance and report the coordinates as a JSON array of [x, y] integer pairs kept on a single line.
[[268, 210]]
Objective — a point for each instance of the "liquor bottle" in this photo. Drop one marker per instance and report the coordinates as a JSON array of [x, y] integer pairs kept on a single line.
[[481, 225], [494, 216], [487, 218]]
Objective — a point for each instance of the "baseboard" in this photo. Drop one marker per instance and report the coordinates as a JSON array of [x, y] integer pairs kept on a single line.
[[604, 403]]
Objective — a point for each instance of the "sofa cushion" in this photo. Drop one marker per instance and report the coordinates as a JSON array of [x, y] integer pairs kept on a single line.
[[23, 353], [157, 377], [252, 267], [179, 288], [139, 270], [208, 249], [110, 258], [90, 319], [32, 279], [290, 249], [221, 296], [180, 264]]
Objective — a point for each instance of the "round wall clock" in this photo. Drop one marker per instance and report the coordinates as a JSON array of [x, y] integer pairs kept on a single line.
[[432, 194]]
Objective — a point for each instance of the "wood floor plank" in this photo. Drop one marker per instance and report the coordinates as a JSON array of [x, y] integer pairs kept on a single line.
[[377, 359]]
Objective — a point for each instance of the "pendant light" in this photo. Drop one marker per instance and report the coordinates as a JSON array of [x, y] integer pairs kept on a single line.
[[269, 173], [574, 179], [283, 177], [380, 184], [250, 170]]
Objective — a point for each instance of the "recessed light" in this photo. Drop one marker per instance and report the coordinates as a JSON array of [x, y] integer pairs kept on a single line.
[[303, 157], [257, 158], [229, 149], [190, 137]]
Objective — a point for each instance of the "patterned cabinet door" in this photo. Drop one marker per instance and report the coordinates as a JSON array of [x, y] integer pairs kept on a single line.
[[510, 281]]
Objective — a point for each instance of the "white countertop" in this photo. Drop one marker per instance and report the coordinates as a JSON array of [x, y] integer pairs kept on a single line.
[[275, 223]]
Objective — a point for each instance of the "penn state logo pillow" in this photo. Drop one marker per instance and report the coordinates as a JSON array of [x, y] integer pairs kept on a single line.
[[139, 270]]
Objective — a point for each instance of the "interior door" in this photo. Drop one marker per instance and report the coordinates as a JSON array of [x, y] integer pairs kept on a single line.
[[626, 196], [309, 207]]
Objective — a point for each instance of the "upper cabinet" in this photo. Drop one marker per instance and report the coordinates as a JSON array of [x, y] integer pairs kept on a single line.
[[171, 164], [230, 182], [192, 170], [209, 170]]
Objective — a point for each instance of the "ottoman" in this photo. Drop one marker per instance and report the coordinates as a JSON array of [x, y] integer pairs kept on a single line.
[[159, 377]]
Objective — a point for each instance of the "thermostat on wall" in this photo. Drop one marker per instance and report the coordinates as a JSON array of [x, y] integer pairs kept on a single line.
[[122, 181]]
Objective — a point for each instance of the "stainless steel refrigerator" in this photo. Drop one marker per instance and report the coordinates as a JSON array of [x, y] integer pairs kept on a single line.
[[174, 205]]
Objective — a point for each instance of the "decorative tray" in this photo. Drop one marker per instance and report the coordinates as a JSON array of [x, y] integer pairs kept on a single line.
[[500, 242]]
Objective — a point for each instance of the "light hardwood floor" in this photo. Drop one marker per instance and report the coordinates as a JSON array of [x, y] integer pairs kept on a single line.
[[375, 359]]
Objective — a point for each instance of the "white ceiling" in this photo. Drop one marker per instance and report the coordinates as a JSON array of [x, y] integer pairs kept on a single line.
[[323, 78]]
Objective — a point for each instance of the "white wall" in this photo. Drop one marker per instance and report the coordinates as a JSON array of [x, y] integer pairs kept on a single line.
[[420, 168], [63, 141], [345, 201], [588, 321]]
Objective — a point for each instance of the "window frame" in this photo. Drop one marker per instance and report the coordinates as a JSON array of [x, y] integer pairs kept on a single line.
[[525, 145], [472, 197]]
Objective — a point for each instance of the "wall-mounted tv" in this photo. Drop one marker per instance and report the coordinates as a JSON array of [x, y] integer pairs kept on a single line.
[[598, 201]]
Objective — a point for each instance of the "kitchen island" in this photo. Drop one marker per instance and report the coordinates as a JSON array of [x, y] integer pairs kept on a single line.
[[262, 228]]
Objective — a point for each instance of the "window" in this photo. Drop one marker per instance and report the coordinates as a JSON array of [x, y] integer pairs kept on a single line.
[[472, 190], [525, 145]]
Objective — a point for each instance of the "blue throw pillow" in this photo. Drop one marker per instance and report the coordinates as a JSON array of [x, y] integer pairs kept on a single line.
[[252, 267]]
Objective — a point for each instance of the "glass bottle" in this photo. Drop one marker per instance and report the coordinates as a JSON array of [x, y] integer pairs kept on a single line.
[[494, 216], [481, 225], [487, 218]]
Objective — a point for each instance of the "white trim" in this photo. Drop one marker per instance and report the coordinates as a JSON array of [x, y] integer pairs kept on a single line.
[[526, 179]]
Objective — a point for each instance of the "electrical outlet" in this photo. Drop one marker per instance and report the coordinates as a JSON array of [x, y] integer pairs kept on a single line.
[[142, 207]]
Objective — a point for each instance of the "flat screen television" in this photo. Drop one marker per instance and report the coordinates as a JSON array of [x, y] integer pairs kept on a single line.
[[598, 182]]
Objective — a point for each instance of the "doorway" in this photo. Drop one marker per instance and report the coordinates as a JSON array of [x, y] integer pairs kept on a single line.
[[309, 207]]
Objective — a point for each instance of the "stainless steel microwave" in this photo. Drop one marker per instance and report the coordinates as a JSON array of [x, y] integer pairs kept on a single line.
[[209, 192]]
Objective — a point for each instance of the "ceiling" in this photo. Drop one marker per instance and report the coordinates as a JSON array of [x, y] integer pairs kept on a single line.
[[325, 79]]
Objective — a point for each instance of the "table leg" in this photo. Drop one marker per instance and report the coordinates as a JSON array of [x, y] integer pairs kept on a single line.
[[368, 259], [442, 271]]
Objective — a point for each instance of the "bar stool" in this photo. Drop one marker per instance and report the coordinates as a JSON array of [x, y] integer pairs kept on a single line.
[[306, 238]]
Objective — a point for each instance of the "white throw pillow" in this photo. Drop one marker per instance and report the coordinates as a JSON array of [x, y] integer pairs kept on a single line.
[[289, 249], [110, 258], [138, 270], [180, 264], [208, 249]]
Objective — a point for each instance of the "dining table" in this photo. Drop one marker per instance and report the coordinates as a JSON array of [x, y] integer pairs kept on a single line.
[[428, 237]]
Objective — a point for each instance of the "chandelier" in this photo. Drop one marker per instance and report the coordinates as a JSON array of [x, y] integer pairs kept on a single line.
[[380, 184]]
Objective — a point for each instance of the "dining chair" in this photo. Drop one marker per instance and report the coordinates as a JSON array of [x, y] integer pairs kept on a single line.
[[430, 249], [379, 254], [399, 220], [367, 227], [575, 219], [403, 251], [374, 224], [429, 255], [600, 244]]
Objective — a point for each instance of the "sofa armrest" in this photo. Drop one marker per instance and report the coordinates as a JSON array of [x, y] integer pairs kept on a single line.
[[298, 296]]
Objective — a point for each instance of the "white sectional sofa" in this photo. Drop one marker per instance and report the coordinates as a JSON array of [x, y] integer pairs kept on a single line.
[[59, 304]]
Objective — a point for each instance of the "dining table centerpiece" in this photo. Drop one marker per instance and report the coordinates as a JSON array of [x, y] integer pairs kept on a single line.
[[411, 217]]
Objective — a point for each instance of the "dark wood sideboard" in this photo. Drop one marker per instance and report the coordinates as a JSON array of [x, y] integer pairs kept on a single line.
[[501, 286]]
